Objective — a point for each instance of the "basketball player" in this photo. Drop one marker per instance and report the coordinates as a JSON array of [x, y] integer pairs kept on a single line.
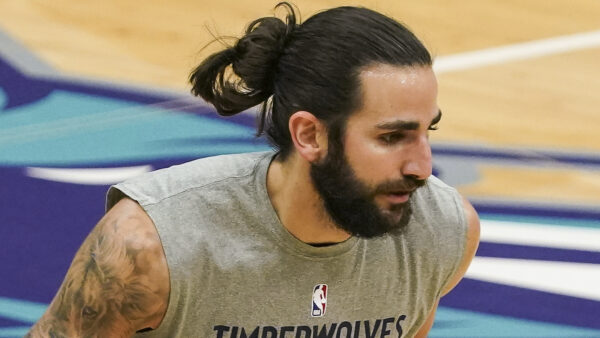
[[345, 206]]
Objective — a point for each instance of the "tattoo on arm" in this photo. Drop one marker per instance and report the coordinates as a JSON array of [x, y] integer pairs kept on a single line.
[[110, 289]]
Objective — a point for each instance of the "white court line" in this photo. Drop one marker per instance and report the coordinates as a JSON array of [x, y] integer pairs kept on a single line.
[[519, 51], [553, 236], [565, 278], [90, 176]]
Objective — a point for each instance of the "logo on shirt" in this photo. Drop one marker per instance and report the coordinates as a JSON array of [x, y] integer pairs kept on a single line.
[[319, 300]]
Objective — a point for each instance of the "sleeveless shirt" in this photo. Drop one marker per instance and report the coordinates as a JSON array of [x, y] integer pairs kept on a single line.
[[235, 271]]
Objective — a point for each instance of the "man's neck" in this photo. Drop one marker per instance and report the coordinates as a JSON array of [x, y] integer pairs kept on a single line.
[[297, 203]]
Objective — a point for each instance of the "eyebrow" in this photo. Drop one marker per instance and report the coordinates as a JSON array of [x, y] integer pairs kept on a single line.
[[407, 125]]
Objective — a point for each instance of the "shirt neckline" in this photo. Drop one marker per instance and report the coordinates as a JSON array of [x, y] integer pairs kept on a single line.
[[283, 237]]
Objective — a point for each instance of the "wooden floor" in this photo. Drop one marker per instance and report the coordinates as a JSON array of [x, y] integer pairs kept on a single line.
[[549, 102]]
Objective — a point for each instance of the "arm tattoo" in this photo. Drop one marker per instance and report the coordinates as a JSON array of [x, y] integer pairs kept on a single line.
[[108, 290]]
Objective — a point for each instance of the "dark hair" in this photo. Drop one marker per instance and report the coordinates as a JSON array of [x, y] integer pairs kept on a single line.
[[313, 66]]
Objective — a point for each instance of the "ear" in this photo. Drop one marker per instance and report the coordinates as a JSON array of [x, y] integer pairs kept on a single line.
[[309, 135]]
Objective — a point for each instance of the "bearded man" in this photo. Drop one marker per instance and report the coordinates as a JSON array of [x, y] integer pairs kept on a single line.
[[340, 231]]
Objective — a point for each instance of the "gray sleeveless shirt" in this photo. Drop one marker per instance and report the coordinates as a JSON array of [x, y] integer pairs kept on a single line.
[[236, 272]]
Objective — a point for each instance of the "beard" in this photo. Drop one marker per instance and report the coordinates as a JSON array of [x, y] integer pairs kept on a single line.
[[350, 203]]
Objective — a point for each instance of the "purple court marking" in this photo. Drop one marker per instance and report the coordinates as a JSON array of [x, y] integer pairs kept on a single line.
[[21, 90], [500, 250], [520, 155], [510, 301]]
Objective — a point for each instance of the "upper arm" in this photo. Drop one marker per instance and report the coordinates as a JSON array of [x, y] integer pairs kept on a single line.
[[469, 253], [117, 284]]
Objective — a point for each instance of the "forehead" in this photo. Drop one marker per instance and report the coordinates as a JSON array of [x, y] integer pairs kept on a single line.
[[392, 93]]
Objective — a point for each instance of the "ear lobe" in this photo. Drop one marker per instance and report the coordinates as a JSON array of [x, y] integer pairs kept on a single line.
[[307, 133]]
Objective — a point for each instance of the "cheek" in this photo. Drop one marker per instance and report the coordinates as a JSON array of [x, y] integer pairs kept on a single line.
[[371, 162]]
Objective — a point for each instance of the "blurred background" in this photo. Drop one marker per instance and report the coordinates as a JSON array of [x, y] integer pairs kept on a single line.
[[94, 92]]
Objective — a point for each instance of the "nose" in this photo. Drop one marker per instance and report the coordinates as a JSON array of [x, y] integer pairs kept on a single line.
[[417, 161]]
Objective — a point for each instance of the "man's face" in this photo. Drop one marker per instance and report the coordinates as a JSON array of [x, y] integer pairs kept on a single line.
[[366, 180]]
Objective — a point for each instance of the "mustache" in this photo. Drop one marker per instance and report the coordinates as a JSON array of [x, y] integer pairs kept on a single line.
[[407, 184]]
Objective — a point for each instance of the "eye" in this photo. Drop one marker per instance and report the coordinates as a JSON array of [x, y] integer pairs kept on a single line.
[[391, 138]]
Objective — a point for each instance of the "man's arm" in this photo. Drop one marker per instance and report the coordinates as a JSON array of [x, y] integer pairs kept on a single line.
[[471, 248], [118, 282]]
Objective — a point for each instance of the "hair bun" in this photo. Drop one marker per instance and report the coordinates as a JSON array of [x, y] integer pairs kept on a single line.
[[258, 52], [253, 60]]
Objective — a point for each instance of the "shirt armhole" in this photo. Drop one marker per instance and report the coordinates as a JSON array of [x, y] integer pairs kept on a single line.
[[462, 227]]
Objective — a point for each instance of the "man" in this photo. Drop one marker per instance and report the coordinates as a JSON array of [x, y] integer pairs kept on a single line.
[[341, 232]]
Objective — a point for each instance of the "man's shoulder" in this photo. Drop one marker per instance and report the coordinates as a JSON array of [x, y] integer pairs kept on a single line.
[[152, 187], [206, 170], [437, 200], [435, 192], [437, 184]]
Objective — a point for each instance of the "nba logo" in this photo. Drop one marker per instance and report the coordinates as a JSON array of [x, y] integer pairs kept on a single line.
[[319, 300]]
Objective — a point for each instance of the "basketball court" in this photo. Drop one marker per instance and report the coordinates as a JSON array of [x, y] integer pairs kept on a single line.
[[92, 93]]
